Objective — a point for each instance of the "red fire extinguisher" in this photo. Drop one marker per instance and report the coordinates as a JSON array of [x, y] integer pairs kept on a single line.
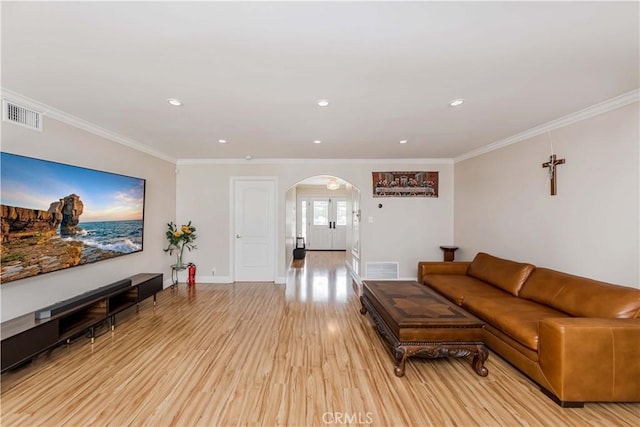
[[192, 274]]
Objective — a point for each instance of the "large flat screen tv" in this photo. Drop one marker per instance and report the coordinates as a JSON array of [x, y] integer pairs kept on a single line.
[[56, 216]]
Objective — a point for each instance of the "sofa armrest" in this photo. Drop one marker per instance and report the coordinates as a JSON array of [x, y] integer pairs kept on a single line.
[[591, 359], [441, 267]]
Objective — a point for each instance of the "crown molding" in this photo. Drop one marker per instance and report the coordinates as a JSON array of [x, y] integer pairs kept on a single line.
[[313, 161], [79, 123], [594, 110], [53, 113]]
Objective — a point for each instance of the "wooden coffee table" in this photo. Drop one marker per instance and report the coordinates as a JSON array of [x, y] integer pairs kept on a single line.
[[416, 321]]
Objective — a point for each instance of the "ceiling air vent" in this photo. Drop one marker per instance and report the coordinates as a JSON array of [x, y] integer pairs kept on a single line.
[[382, 270], [20, 115]]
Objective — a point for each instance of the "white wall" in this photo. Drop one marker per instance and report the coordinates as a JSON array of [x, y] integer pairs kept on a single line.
[[406, 230], [291, 224], [65, 144], [590, 228]]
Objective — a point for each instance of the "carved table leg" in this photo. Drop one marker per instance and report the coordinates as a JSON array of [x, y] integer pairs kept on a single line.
[[363, 309], [479, 358], [401, 356]]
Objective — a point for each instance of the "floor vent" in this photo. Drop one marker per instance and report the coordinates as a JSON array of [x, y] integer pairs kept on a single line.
[[22, 116], [382, 270]]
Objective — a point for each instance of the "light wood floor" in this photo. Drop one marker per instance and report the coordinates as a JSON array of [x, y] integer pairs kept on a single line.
[[265, 354]]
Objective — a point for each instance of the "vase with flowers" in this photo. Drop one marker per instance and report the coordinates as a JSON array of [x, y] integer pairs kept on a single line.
[[179, 239]]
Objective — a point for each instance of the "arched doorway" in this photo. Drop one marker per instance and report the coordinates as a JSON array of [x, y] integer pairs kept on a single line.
[[325, 211]]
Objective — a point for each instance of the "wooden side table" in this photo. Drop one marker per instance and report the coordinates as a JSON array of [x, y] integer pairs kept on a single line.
[[449, 252]]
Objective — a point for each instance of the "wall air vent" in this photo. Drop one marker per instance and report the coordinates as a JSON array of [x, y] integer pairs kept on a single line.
[[382, 270], [14, 113]]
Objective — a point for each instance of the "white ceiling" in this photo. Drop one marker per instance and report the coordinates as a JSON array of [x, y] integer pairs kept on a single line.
[[251, 73]]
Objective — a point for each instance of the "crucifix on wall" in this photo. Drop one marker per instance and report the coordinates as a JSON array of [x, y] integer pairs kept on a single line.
[[551, 164]]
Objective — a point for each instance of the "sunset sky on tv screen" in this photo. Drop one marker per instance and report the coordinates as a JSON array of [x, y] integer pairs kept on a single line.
[[35, 184]]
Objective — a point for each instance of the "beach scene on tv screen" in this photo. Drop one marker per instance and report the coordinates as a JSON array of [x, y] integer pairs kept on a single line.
[[56, 216]]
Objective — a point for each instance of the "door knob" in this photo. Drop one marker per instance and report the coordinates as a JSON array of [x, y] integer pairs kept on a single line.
[[238, 236]]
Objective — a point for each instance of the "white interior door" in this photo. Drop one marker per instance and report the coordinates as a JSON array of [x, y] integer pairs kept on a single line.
[[326, 223], [254, 229]]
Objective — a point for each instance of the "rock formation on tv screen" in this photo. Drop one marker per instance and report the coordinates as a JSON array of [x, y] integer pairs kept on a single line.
[[20, 223], [31, 244], [69, 210]]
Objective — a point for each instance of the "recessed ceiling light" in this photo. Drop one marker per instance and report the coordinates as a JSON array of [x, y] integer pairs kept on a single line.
[[456, 102], [222, 141], [404, 141], [317, 141], [175, 102], [323, 102]]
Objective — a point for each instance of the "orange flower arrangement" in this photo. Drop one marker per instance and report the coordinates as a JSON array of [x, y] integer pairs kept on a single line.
[[180, 239]]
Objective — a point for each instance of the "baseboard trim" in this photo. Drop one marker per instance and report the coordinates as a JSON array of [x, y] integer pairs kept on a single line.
[[182, 278]]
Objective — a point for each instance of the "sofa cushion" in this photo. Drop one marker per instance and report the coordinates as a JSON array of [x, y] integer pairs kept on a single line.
[[581, 297], [507, 275], [455, 287], [516, 317]]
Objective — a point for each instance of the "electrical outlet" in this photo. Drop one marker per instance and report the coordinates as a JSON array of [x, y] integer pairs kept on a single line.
[[213, 271]]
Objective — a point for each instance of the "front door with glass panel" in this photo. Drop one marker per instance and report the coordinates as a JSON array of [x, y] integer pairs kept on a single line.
[[326, 222]]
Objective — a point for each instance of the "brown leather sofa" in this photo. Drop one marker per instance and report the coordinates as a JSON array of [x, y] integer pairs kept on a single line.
[[578, 338]]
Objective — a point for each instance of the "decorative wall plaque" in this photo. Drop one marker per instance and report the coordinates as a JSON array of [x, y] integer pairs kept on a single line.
[[405, 184]]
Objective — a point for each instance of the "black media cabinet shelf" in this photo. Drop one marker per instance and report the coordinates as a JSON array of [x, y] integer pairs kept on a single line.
[[27, 336]]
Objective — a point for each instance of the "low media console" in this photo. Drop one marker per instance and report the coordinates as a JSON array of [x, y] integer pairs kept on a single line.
[[26, 336]]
